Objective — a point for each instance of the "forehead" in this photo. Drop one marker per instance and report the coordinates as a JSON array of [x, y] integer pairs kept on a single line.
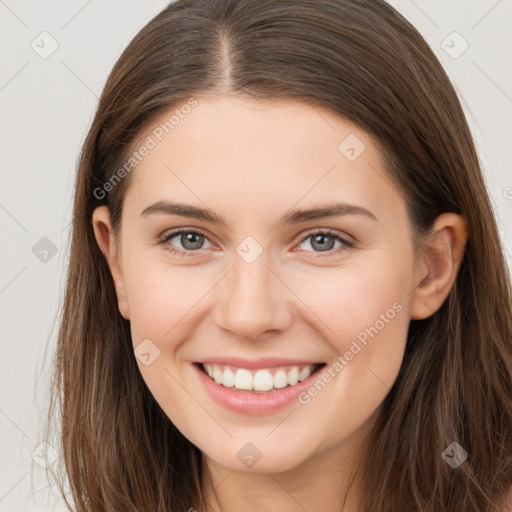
[[246, 154]]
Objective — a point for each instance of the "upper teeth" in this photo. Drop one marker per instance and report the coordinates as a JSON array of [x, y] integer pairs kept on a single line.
[[259, 380]]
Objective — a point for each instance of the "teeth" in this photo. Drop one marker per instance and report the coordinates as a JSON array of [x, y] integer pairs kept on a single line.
[[263, 380], [228, 378], [280, 379], [305, 373], [217, 374], [243, 379], [293, 376], [259, 380]]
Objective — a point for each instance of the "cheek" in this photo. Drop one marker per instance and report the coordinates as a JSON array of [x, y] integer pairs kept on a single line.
[[162, 297], [362, 312], [345, 303], [164, 303], [347, 300]]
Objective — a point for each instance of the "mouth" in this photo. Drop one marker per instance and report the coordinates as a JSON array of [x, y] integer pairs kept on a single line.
[[258, 380]]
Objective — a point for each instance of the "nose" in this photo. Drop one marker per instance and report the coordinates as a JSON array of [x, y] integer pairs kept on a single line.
[[252, 300]]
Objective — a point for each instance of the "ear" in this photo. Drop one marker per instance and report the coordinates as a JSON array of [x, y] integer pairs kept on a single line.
[[438, 265], [109, 247]]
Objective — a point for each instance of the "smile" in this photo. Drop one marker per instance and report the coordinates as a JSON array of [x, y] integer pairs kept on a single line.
[[261, 380], [256, 386]]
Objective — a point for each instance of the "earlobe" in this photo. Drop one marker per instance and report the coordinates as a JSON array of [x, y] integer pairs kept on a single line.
[[109, 247], [439, 264]]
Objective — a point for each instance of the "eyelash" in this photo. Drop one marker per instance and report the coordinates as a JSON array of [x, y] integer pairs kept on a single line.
[[329, 232]]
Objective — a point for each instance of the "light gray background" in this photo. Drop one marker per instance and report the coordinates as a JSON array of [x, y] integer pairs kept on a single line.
[[47, 106]]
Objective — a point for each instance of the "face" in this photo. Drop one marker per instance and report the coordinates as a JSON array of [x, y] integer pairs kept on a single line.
[[260, 290]]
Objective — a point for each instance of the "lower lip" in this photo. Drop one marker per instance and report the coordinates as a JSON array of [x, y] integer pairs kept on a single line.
[[251, 403]]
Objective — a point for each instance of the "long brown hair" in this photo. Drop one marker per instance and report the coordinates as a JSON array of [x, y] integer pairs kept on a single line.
[[362, 60]]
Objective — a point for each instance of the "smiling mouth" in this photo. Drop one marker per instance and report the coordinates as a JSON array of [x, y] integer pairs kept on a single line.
[[263, 380]]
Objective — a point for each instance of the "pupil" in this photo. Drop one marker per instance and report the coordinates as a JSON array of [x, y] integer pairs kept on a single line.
[[321, 240], [188, 238]]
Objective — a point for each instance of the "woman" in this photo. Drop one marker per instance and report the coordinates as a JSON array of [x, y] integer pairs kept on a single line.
[[286, 288]]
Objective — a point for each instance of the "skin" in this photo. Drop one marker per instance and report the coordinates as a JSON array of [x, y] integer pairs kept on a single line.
[[250, 163]]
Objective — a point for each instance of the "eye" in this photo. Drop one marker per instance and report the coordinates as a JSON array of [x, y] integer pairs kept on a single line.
[[189, 240], [325, 241]]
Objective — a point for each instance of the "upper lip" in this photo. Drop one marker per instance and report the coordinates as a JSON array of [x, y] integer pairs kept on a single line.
[[264, 362]]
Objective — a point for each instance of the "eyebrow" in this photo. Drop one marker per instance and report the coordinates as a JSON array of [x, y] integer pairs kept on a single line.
[[297, 216]]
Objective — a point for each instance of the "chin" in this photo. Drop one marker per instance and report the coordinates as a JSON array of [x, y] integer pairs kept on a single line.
[[253, 457]]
